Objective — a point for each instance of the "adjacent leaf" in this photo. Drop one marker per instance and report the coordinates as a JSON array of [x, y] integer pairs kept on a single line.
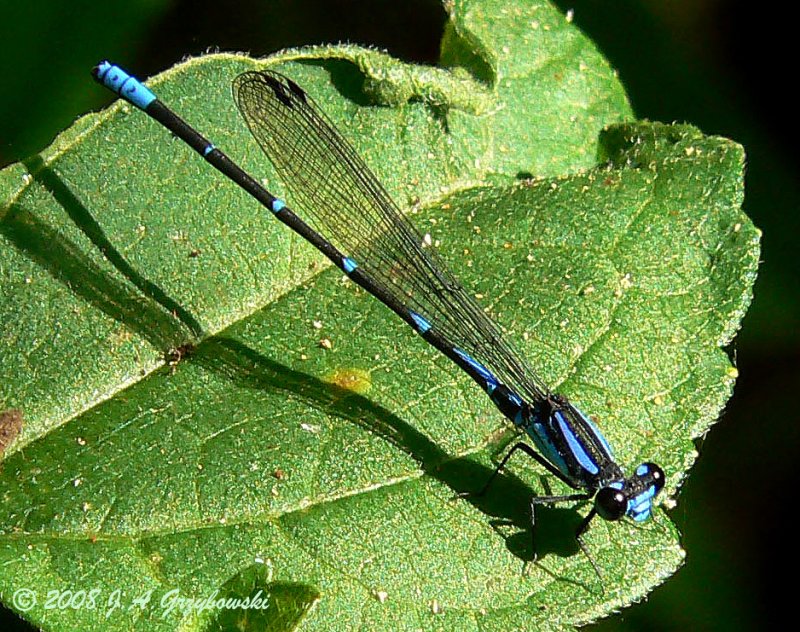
[[258, 459]]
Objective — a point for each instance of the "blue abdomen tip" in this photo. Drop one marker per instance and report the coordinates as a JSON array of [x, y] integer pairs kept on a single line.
[[101, 69], [126, 86]]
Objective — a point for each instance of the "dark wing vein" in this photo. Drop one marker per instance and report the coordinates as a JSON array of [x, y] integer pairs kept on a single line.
[[338, 195]]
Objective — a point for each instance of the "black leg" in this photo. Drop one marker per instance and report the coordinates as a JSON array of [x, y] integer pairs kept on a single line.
[[552, 500], [531, 453], [578, 533], [536, 500], [548, 500]]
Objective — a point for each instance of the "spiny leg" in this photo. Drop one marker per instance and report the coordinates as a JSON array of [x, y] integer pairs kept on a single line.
[[582, 527], [552, 500], [531, 453]]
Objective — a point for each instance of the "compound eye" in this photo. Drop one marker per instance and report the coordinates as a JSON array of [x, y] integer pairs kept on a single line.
[[658, 476], [610, 503], [654, 473]]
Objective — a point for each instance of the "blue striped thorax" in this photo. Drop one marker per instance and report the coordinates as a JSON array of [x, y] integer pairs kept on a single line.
[[569, 440], [573, 444]]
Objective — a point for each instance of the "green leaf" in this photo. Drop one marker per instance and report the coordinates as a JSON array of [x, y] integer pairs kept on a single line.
[[186, 433]]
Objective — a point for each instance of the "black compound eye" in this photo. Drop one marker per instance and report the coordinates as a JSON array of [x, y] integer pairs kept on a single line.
[[657, 475], [610, 503], [651, 473]]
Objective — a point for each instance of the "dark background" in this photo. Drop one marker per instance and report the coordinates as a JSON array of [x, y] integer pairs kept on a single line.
[[724, 65]]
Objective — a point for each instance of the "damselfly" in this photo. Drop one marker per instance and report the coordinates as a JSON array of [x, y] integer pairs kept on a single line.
[[347, 214]]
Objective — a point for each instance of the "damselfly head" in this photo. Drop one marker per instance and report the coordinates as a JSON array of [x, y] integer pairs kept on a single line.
[[632, 497]]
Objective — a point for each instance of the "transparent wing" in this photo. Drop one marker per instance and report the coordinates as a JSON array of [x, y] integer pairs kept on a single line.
[[338, 195]]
